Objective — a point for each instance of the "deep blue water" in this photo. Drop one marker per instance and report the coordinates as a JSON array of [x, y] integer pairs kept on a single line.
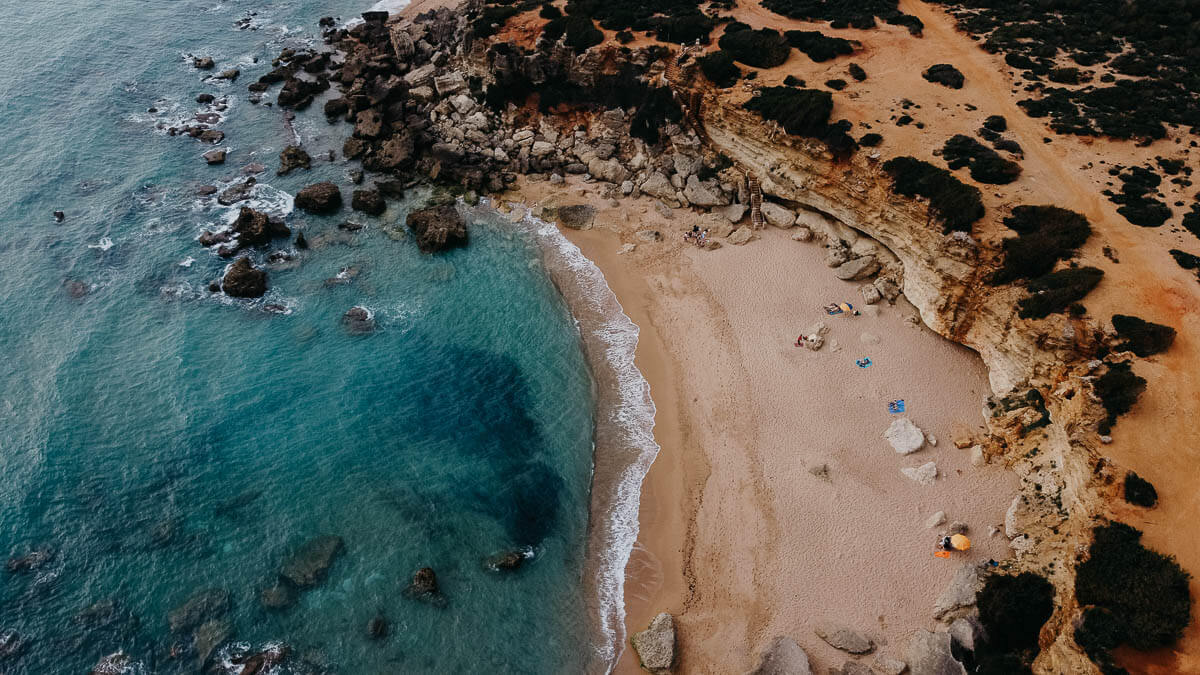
[[162, 440]]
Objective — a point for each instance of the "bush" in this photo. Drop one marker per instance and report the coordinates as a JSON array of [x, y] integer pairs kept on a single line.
[[996, 123], [719, 68], [1139, 491], [1012, 610], [944, 74], [958, 205], [1186, 260], [1046, 234], [1008, 145], [793, 81], [1118, 388], [1191, 220], [818, 46], [624, 37], [804, 112], [1142, 337], [764, 48], [985, 164], [843, 13], [549, 12], [678, 21], [856, 71], [836, 85], [1144, 592], [870, 140], [657, 110], [492, 19], [1052, 293], [581, 33], [1064, 75]]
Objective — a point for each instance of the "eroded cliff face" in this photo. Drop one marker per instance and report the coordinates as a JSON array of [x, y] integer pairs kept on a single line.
[[944, 277]]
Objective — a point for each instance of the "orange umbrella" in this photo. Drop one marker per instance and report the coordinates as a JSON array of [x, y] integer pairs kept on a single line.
[[960, 542]]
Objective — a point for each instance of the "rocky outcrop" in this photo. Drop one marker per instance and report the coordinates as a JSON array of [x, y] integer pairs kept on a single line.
[[577, 216], [930, 654], [438, 228], [368, 201], [244, 280], [359, 320], [322, 197], [904, 436], [309, 564], [845, 639], [655, 646], [782, 657], [293, 157], [960, 594]]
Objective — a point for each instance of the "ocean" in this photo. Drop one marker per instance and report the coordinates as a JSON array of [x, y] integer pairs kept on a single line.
[[164, 444]]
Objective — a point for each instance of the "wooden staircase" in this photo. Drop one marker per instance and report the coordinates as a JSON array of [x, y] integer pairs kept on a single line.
[[756, 215]]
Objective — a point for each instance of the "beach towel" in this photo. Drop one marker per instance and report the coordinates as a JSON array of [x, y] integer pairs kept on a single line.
[[863, 363], [896, 406], [942, 554], [832, 309]]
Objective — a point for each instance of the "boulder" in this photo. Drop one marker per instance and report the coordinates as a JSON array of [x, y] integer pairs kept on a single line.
[[890, 666], [836, 256], [449, 84], [857, 269], [905, 437], [782, 657], [213, 136], [741, 235], [394, 153], [215, 156], [777, 215], [655, 646], [322, 197], [541, 148], [870, 294], [205, 98], [925, 474], [960, 594], [845, 639], [201, 606], [368, 124], [421, 76], [888, 289], [368, 201], [243, 280], [30, 561], [734, 212], [506, 561], [308, 565], [577, 216], [929, 654], [704, 194], [802, 233], [254, 228], [851, 668], [424, 587], [609, 170], [231, 74], [935, 520], [967, 632], [438, 228], [657, 185], [203, 63], [293, 157], [377, 627], [237, 192], [358, 320], [209, 636], [113, 664]]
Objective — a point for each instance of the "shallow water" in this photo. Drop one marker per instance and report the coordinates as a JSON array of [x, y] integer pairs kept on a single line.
[[162, 440]]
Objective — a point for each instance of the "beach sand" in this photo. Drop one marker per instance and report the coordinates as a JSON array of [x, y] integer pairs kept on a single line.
[[739, 539]]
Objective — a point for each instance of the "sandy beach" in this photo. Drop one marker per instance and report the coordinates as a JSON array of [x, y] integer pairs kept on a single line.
[[743, 537]]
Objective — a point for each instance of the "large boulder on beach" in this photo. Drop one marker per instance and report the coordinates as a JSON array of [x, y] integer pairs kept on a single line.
[[704, 194], [244, 280], [777, 215], [782, 657], [905, 437], [845, 639], [577, 216], [960, 593], [322, 197], [438, 228], [930, 654], [857, 269], [309, 564], [925, 474], [655, 646], [201, 606]]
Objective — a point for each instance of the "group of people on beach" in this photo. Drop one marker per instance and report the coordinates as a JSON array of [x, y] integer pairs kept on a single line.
[[696, 236]]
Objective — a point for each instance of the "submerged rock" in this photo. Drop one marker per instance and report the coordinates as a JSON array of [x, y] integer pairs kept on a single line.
[[30, 561], [506, 560], [377, 627], [244, 280], [319, 198], [655, 646], [261, 662], [237, 192], [203, 605], [113, 664], [424, 582], [292, 157], [368, 201], [209, 636], [279, 596], [12, 644], [308, 565], [782, 657], [359, 320], [438, 228]]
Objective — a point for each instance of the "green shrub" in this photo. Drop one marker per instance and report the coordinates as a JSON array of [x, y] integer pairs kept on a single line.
[[1118, 388], [1145, 592], [1138, 203], [793, 81], [944, 74], [856, 71], [1139, 491], [1191, 220], [1046, 234], [763, 48], [582, 33], [678, 21], [870, 140], [843, 13], [657, 110], [1186, 260], [1012, 610], [1052, 293], [719, 68], [958, 205], [549, 12], [818, 46], [491, 19], [624, 36], [1142, 337], [804, 112], [836, 85], [985, 164], [996, 123]]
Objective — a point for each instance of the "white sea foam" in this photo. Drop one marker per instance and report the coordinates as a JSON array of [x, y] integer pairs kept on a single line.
[[187, 262], [104, 244], [392, 7], [631, 418]]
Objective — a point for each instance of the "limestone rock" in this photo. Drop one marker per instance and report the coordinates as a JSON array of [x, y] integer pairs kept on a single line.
[[214, 157], [904, 436], [845, 639], [782, 657], [293, 157], [655, 646], [888, 289], [1019, 516], [778, 215], [608, 170], [577, 216], [870, 294], [925, 474], [935, 520], [802, 233], [734, 212], [851, 668], [977, 456], [967, 632], [857, 268], [741, 235], [836, 256], [960, 593], [890, 666], [929, 654], [324, 197], [657, 185], [704, 194]]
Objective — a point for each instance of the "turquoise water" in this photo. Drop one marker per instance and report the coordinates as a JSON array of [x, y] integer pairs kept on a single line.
[[162, 440]]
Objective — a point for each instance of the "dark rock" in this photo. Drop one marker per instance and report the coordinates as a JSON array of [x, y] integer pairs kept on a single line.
[[205, 98], [424, 587], [12, 644], [355, 176], [254, 228], [208, 117], [293, 157], [377, 627], [326, 22], [30, 561], [231, 74], [206, 190], [243, 280], [203, 62], [201, 606], [279, 596], [349, 226], [301, 242], [375, 17], [506, 561], [390, 188], [253, 168], [359, 320], [308, 565], [438, 228], [577, 217], [237, 192], [368, 201], [209, 238], [259, 663], [59, 216], [213, 136], [344, 276], [319, 198], [77, 289], [215, 156], [394, 153], [209, 636], [336, 107]]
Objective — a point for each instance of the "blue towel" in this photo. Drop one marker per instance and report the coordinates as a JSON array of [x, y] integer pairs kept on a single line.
[[896, 406]]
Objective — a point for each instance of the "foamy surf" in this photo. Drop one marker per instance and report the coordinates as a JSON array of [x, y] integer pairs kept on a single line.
[[392, 7], [624, 425]]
